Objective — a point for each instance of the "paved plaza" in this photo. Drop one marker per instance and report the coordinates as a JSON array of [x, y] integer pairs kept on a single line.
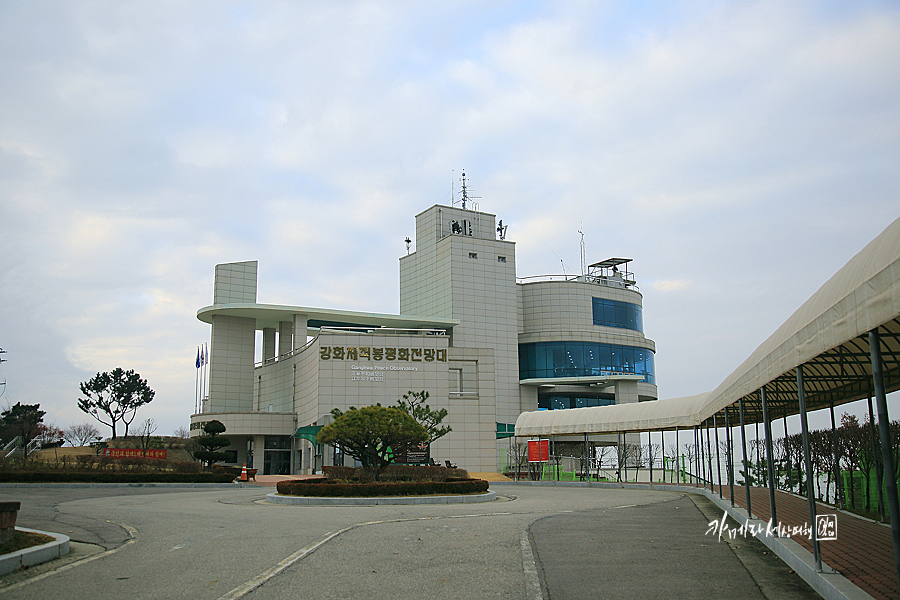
[[533, 542]]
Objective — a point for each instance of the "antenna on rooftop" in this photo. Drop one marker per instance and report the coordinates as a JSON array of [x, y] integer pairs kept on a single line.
[[465, 193], [501, 229], [583, 260], [452, 187], [408, 242]]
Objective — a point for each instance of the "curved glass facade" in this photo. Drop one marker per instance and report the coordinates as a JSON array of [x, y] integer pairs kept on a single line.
[[613, 313], [581, 359]]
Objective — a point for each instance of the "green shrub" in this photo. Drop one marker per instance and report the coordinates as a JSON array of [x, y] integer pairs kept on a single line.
[[185, 466]]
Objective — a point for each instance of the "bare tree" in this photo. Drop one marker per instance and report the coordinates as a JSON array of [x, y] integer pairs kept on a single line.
[[49, 435], [81, 435], [651, 453], [600, 452], [182, 433], [145, 432], [690, 452], [631, 455]]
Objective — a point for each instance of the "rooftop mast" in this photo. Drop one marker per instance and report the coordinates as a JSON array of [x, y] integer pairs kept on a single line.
[[465, 193]]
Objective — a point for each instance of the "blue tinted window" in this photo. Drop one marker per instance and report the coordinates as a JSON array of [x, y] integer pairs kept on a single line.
[[612, 313], [580, 359], [562, 401]]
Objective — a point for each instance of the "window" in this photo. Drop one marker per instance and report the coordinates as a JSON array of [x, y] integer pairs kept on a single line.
[[613, 313], [456, 380], [501, 259], [473, 255], [580, 359], [562, 401]]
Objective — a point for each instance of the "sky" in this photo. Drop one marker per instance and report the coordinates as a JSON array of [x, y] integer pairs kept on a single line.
[[739, 152]]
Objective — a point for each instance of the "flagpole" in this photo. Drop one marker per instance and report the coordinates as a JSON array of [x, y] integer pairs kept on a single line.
[[197, 381], [200, 400], [204, 385]]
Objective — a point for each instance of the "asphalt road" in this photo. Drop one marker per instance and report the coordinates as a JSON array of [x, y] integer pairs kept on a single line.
[[533, 542]]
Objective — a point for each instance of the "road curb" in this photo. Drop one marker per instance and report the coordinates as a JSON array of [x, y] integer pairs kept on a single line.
[[28, 557]]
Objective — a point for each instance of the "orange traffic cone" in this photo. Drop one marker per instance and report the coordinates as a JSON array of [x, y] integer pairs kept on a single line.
[[243, 476]]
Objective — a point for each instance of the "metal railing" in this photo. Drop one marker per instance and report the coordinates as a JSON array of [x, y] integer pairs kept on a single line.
[[10, 448], [616, 282]]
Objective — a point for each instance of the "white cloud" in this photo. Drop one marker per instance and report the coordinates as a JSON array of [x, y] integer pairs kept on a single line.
[[671, 285], [739, 153]]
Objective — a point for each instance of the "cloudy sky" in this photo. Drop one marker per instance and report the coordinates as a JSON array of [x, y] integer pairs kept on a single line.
[[740, 152]]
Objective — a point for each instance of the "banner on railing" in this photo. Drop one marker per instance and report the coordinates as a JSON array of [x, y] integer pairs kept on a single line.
[[538, 450], [155, 453]]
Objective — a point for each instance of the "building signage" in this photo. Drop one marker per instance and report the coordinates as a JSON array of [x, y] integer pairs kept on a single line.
[[378, 354], [538, 450], [155, 453], [374, 373], [415, 454]]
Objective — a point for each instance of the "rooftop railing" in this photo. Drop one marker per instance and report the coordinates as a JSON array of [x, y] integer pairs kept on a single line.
[[617, 282]]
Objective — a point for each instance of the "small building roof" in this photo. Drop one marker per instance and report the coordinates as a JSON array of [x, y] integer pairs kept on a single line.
[[270, 315]]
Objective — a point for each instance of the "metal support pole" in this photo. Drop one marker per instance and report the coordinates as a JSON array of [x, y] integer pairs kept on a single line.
[[718, 460], [703, 458], [744, 454], [884, 427], [770, 464], [709, 457], [677, 458], [619, 456], [553, 441], [696, 459], [787, 455], [662, 440], [729, 457], [587, 459], [757, 445], [879, 468], [810, 495], [516, 476]]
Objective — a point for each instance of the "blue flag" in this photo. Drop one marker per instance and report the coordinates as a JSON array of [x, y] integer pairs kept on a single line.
[[198, 358]]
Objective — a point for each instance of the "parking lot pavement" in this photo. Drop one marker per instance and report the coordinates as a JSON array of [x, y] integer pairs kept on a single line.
[[659, 550], [229, 544]]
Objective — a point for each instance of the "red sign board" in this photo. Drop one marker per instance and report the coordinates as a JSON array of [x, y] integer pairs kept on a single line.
[[538, 450], [156, 453]]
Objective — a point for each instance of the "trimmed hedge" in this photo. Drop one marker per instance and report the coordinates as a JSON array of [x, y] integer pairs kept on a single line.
[[338, 489], [111, 477], [395, 473]]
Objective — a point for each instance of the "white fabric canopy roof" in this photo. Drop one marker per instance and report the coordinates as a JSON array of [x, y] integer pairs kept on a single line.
[[862, 296]]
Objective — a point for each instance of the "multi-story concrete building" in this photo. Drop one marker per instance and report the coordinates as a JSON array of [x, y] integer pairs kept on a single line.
[[484, 345]]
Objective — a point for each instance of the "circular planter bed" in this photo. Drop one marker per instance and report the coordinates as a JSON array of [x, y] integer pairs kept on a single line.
[[325, 491]]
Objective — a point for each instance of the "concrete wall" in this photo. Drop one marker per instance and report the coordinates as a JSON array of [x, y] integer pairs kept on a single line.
[[231, 364], [562, 311], [462, 277]]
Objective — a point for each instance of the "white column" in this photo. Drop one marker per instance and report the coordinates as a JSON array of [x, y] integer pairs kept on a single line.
[[285, 337], [300, 326], [268, 345]]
